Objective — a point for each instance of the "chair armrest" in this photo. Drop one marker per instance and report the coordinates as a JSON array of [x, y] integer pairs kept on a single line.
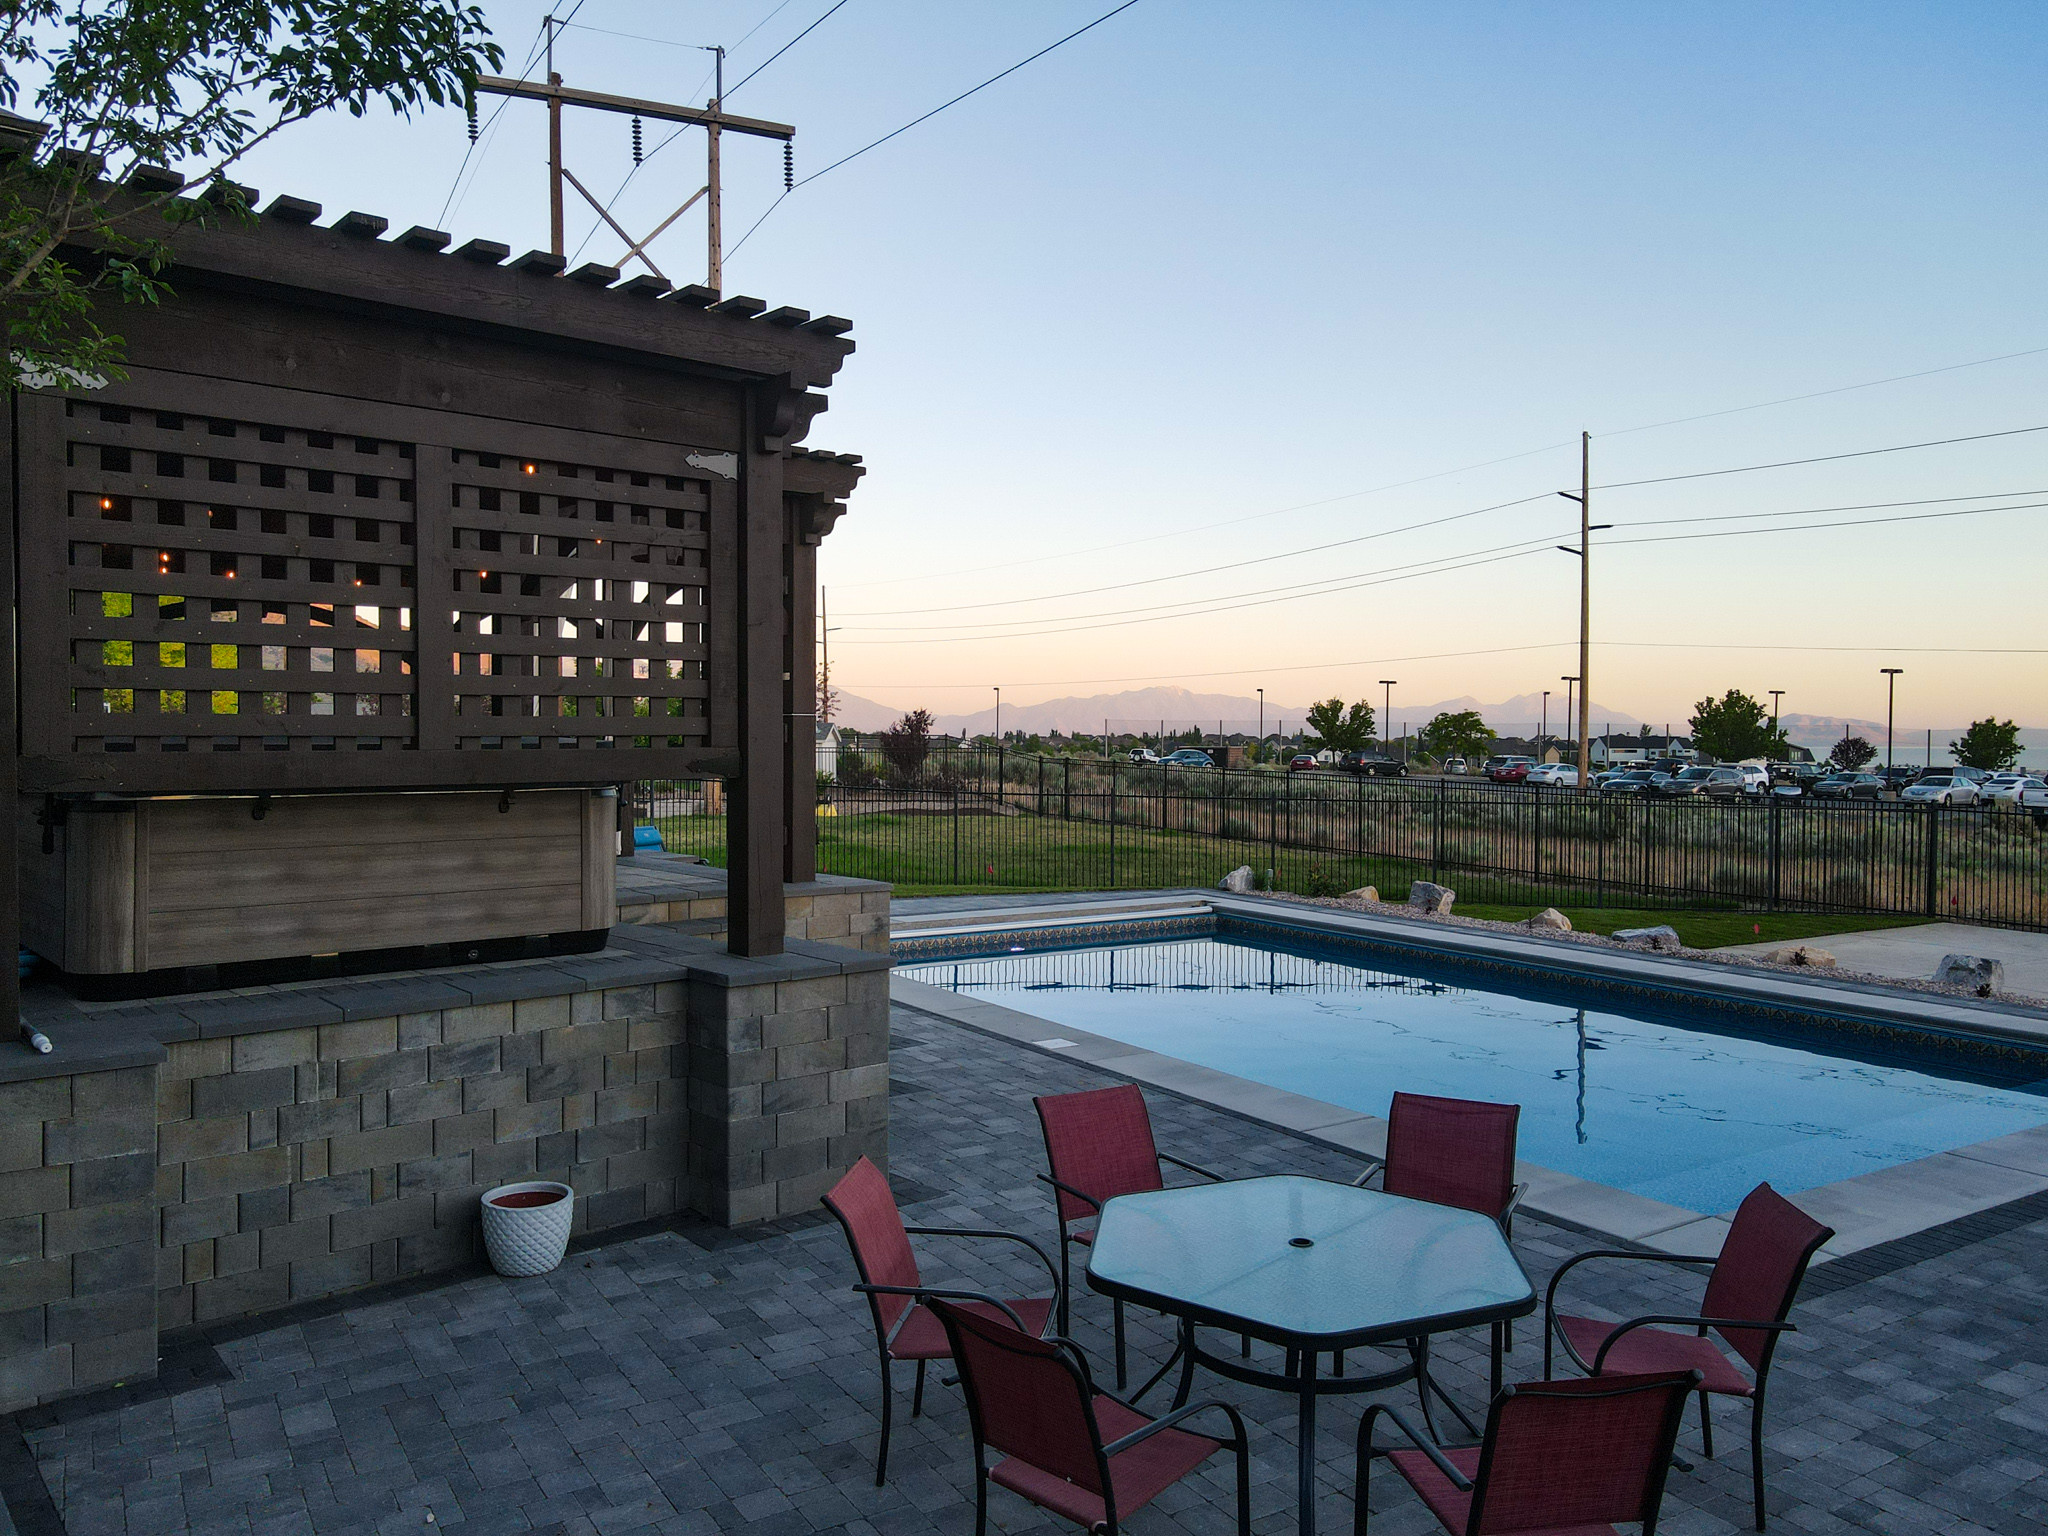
[[1180, 1162], [1174, 1418], [926, 1292], [1514, 1203], [1376, 1171], [1572, 1263], [1422, 1442], [1701, 1323], [999, 1235], [1068, 1189]]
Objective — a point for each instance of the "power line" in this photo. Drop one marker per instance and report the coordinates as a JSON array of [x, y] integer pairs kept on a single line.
[[490, 124], [1208, 570], [778, 53], [1826, 458], [935, 111], [1858, 506], [1193, 608]]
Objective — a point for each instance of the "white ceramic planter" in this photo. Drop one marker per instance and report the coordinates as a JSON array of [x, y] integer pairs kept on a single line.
[[526, 1226]]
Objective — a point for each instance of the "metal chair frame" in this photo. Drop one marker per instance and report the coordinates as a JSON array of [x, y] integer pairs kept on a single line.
[[1070, 1355], [1369, 1451], [1772, 1328], [919, 1295]]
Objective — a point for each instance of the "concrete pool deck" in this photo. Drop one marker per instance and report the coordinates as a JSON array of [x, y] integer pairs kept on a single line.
[[1871, 1209], [1911, 954]]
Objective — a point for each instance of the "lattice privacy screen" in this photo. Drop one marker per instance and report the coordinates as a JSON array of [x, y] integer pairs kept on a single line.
[[237, 586]]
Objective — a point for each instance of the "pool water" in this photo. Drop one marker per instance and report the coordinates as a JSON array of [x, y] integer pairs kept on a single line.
[[1679, 1103]]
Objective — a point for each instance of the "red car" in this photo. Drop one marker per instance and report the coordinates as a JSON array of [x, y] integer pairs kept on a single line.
[[1301, 762], [1509, 770]]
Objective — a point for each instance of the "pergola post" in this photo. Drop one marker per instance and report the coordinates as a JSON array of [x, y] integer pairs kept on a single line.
[[756, 825]]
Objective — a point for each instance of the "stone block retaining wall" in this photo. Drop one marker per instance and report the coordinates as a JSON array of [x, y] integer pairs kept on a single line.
[[185, 1161]]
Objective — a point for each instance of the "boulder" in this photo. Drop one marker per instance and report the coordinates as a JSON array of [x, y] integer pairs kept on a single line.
[[1663, 936], [1551, 919], [1972, 973], [1801, 954], [1363, 893], [1238, 882], [1431, 898]]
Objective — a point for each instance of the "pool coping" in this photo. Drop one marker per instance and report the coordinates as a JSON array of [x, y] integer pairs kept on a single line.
[[1875, 1208]]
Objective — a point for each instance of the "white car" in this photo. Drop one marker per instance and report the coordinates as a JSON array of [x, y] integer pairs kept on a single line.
[[1941, 789], [1554, 775], [1756, 778], [2034, 799], [2007, 788]]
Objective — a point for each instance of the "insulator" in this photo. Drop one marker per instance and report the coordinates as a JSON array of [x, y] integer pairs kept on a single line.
[[636, 141], [788, 165], [472, 122]]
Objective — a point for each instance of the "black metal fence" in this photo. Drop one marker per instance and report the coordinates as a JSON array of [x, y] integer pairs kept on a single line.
[[972, 818]]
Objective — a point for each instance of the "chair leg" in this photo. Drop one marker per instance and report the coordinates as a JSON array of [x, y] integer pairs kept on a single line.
[[1494, 1375], [980, 1501], [1244, 1487], [1706, 1426], [1548, 1336], [1118, 1309], [1756, 1454], [917, 1392], [1066, 1286], [1244, 1345], [888, 1404]]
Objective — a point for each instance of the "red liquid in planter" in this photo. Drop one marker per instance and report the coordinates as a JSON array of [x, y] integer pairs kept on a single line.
[[526, 1199]]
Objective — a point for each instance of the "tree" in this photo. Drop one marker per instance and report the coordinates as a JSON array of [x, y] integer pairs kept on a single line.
[[1851, 753], [1990, 744], [907, 744], [1333, 728], [1734, 727], [1459, 734], [189, 85], [828, 696]]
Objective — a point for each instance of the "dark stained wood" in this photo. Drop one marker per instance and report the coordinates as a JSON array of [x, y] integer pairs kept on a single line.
[[757, 819], [10, 765]]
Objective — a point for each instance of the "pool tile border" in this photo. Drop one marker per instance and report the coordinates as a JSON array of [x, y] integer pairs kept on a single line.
[[1877, 1210]]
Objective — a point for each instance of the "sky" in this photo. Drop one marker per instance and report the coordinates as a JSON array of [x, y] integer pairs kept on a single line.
[[1213, 287]]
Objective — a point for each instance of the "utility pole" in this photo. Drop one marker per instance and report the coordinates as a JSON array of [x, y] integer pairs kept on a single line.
[[825, 644], [1891, 685], [999, 717], [1587, 528], [1386, 707], [1262, 717], [1777, 698], [1543, 730], [714, 120], [1569, 684]]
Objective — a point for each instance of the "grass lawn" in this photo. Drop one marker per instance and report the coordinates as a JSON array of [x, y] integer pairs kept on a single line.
[[1702, 930], [937, 856]]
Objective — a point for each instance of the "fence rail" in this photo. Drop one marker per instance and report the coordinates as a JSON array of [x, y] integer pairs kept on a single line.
[[995, 819]]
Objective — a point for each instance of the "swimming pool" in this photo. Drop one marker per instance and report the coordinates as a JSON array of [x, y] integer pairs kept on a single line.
[[1667, 1097]]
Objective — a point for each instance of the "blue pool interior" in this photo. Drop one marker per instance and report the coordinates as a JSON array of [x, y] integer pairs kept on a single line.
[[1669, 1096]]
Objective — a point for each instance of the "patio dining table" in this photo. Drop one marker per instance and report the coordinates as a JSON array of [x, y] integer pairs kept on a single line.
[[1316, 1268]]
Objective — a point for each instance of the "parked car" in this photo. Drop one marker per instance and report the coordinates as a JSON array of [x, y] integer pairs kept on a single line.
[[1941, 789], [1899, 775], [1188, 757], [1756, 779], [1302, 762], [1717, 783], [1509, 770], [1636, 781], [1553, 775], [1456, 766], [1372, 764], [2034, 800], [1144, 755], [2006, 788], [1849, 786]]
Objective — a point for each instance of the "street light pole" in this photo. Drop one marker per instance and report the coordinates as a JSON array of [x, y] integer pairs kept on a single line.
[[1891, 684], [1262, 719], [999, 717], [1543, 730], [1386, 707]]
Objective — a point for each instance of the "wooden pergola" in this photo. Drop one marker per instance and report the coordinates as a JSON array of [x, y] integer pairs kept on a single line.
[[373, 514]]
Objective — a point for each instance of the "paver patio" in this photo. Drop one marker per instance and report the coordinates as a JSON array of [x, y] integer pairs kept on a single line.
[[690, 1380]]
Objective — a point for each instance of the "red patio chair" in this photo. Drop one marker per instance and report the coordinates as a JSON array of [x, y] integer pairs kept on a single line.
[[1456, 1152], [1748, 1299], [1034, 1403], [1098, 1145], [1570, 1458], [905, 1327]]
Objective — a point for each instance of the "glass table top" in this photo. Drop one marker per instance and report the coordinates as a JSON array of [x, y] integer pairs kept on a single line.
[[1305, 1258]]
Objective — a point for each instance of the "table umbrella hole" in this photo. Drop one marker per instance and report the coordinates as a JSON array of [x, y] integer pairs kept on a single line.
[[1301, 1242]]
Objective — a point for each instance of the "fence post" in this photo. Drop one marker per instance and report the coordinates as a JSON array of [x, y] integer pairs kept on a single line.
[[1436, 837], [1002, 784], [1112, 824], [956, 836], [1602, 819], [1165, 794], [1066, 789], [1777, 823], [1933, 855], [1536, 838], [1273, 837]]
